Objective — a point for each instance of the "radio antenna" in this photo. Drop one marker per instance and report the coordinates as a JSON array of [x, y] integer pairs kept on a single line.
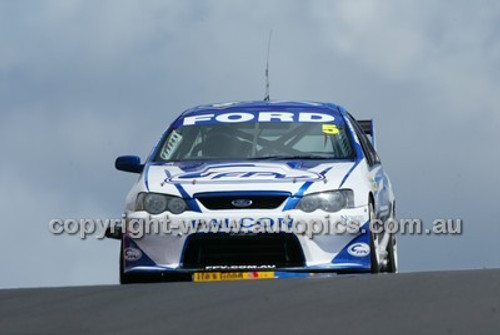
[[267, 96]]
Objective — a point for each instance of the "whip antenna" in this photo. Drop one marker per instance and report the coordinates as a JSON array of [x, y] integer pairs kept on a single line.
[[266, 97]]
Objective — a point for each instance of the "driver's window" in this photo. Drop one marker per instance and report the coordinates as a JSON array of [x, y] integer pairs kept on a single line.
[[196, 146]]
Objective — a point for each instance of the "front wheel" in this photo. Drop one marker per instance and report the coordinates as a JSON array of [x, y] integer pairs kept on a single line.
[[392, 248], [374, 244], [392, 255]]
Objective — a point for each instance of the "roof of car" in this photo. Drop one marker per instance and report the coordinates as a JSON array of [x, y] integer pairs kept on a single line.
[[275, 105]]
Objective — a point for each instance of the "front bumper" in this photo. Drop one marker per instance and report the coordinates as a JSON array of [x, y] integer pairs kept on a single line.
[[160, 254]]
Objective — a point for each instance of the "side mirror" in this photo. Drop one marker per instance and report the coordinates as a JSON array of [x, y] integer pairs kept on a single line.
[[129, 164], [114, 232]]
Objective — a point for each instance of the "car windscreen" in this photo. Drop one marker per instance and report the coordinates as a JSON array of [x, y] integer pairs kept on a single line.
[[256, 140]]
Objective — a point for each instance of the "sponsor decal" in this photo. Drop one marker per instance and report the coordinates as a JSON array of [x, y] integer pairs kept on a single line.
[[239, 267], [132, 254], [359, 249], [221, 276], [244, 173], [238, 117], [358, 219]]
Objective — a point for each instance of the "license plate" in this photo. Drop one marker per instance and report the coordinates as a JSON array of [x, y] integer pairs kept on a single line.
[[223, 276]]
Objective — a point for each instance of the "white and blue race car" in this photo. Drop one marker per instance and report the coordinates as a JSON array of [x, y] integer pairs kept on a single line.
[[261, 189]]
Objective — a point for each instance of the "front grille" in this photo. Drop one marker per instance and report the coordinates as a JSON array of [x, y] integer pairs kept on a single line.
[[227, 200], [208, 249]]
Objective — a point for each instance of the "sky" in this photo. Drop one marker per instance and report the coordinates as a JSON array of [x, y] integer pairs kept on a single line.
[[82, 82]]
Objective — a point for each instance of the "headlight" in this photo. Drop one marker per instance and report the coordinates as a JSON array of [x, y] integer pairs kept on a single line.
[[328, 201], [155, 203], [176, 205]]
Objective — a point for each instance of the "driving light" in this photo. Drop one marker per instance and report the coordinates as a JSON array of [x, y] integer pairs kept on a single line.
[[328, 201], [155, 203]]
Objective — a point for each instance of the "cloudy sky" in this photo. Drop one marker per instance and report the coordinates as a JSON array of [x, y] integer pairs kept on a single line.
[[82, 82]]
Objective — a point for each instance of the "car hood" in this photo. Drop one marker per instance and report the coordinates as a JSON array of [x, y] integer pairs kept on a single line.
[[295, 177]]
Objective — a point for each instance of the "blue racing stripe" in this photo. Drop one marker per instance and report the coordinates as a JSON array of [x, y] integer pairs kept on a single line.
[[349, 173], [193, 205], [292, 201]]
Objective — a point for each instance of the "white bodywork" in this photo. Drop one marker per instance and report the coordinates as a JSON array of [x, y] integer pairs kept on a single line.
[[322, 252]]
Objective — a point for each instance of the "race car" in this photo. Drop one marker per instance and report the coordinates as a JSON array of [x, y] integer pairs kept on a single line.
[[260, 189]]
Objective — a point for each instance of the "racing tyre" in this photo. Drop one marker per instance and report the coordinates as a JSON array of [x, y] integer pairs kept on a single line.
[[374, 244], [392, 248], [392, 255]]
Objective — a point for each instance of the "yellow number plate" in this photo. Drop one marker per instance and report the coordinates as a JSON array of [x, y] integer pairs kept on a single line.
[[222, 276]]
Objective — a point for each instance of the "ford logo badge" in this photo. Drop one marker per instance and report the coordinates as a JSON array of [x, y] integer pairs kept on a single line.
[[241, 203]]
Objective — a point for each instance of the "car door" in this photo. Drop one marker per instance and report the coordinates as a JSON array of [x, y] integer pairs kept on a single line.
[[376, 175]]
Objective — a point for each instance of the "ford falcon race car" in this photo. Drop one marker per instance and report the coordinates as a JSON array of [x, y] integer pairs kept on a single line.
[[262, 189]]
